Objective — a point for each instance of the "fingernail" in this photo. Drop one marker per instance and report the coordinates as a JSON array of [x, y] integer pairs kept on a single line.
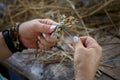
[[44, 35], [75, 39], [53, 27], [38, 37]]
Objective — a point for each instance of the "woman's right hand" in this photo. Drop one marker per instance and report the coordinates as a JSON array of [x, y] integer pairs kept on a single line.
[[87, 57]]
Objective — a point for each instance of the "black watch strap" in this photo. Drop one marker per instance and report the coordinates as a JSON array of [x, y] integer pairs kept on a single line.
[[8, 41]]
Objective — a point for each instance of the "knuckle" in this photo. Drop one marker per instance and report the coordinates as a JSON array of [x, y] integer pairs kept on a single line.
[[95, 45], [35, 22], [48, 19], [98, 48]]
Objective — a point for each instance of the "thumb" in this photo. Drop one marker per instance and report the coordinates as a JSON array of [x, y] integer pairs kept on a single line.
[[45, 28], [77, 42]]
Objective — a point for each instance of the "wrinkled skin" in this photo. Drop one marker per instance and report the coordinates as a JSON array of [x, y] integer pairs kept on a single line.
[[30, 30], [87, 53], [87, 57]]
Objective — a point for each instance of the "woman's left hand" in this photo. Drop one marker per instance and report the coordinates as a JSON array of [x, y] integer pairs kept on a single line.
[[38, 30]]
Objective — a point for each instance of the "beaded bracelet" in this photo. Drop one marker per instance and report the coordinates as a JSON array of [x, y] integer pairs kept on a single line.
[[11, 37]]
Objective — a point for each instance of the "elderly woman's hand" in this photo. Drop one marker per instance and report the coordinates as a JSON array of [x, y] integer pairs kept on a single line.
[[87, 57], [38, 30]]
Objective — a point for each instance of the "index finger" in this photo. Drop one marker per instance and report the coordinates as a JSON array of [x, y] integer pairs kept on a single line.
[[77, 42], [48, 21], [89, 42], [45, 28]]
